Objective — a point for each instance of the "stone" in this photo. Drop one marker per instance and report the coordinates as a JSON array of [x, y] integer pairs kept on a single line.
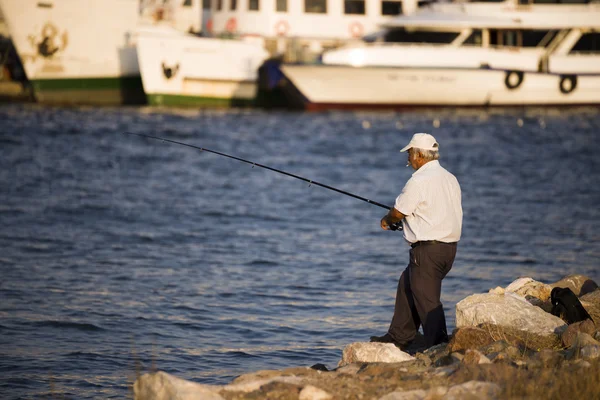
[[579, 284], [469, 337], [533, 291], [509, 310], [584, 346], [591, 303], [569, 335], [163, 386], [310, 392], [496, 290], [549, 358], [407, 395], [474, 357], [252, 385], [434, 393], [373, 352], [475, 390]]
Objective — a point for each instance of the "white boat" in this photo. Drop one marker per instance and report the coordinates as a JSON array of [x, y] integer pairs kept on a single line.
[[456, 55], [83, 51], [221, 67], [179, 69]]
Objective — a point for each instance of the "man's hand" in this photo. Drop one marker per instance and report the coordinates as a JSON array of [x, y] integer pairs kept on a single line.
[[392, 217]]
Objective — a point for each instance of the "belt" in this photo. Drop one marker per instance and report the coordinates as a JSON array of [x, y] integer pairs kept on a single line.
[[424, 242]]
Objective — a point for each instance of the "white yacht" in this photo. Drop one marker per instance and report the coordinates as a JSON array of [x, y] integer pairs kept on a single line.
[[84, 51], [465, 54]]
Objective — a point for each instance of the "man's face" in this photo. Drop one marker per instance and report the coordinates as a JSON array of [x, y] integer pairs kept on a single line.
[[413, 157]]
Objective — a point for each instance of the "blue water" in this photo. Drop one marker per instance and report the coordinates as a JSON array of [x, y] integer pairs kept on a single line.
[[121, 255]]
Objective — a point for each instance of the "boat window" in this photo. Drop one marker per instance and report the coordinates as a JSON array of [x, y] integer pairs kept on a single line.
[[505, 38], [281, 6], [315, 6], [187, 3], [489, 1], [535, 38], [233, 5], [354, 7], [253, 5], [391, 7], [219, 5], [404, 36], [206, 4], [588, 43], [475, 38]]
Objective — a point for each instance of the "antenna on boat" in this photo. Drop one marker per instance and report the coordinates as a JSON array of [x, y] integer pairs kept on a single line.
[[310, 181]]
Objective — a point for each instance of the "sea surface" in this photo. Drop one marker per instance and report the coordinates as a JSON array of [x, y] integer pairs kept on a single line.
[[121, 255]]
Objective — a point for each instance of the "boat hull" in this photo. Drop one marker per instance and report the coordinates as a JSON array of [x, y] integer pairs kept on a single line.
[[98, 91], [320, 87], [184, 70], [70, 56]]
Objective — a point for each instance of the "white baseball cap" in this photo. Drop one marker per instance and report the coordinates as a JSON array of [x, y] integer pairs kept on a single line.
[[422, 141]]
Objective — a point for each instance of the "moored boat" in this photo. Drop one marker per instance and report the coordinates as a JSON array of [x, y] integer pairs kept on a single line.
[[456, 55], [179, 69], [84, 51]]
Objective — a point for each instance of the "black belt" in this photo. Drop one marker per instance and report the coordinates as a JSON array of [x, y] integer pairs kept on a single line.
[[424, 242]]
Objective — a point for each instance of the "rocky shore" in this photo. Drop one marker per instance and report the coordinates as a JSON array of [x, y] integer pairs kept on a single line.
[[506, 345]]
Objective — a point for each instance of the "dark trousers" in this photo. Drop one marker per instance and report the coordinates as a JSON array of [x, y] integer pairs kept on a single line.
[[418, 295]]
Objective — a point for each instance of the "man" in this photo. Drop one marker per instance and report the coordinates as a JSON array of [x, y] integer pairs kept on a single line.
[[431, 214]]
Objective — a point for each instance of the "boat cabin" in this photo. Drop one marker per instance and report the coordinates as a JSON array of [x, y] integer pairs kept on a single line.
[[300, 30]]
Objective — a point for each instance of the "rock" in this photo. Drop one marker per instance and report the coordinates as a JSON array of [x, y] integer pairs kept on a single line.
[[163, 386], [591, 303], [548, 358], [579, 284], [473, 389], [469, 337], [310, 392], [568, 336], [474, 357], [533, 291], [584, 346], [373, 352], [252, 385], [496, 290], [419, 394], [509, 310]]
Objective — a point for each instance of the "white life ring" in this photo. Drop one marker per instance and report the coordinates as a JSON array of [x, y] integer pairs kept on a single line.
[[356, 29], [282, 28]]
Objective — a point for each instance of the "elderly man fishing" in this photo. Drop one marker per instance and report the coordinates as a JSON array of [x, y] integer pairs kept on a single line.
[[430, 210]]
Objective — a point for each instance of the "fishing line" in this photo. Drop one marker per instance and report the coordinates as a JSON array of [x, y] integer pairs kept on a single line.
[[254, 164]]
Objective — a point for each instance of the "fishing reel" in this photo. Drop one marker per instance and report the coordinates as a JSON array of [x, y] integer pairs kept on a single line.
[[397, 226]]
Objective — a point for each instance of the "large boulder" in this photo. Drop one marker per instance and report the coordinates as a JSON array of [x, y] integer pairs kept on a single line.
[[373, 352], [469, 337], [579, 284], [533, 291], [162, 386], [591, 303], [508, 310]]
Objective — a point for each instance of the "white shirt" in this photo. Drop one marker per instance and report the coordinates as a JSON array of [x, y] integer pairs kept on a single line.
[[431, 202]]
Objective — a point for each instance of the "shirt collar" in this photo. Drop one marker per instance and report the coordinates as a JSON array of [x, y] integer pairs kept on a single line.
[[427, 165]]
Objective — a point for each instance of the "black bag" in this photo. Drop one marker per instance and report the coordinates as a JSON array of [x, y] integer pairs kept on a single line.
[[567, 306]]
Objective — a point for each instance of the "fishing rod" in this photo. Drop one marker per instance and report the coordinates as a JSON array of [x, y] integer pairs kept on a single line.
[[254, 164]]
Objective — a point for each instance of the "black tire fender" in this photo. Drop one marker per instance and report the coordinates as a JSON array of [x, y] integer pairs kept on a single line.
[[513, 79], [567, 83]]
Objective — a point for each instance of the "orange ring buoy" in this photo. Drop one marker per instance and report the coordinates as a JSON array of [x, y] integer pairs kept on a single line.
[[356, 29], [282, 28], [231, 25], [209, 25]]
